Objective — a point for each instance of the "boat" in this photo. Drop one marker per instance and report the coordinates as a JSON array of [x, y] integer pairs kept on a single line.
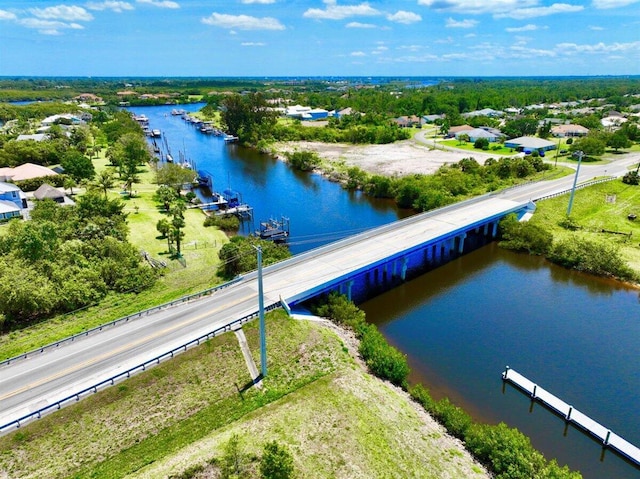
[[274, 230], [204, 178], [230, 138], [156, 133]]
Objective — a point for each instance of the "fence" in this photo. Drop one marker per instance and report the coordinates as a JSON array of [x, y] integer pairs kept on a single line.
[[16, 423]]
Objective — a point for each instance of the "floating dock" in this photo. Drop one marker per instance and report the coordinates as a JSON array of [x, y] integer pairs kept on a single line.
[[570, 414]]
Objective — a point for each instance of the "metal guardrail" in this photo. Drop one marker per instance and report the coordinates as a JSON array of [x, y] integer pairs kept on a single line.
[[125, 319], [15, 424], [581, 185]]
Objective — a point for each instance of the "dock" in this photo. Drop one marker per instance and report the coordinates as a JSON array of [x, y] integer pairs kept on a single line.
[[571, 415]]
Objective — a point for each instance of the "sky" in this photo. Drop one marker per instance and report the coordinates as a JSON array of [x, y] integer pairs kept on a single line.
[[267, 38]]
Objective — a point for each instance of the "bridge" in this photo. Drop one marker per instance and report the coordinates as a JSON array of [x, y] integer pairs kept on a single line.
[[51, 377]]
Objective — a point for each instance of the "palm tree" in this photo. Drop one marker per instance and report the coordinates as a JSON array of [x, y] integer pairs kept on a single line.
[[104, 180]]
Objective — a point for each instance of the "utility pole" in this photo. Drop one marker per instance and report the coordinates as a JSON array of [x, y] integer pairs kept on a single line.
[[263, 332], [575, 181]]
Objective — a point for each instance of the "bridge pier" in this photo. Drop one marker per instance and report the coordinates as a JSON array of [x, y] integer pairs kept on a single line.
[[347, 285], [461, 243]]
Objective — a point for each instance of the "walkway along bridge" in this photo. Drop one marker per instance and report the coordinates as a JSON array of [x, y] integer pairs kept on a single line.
[[36, 383]]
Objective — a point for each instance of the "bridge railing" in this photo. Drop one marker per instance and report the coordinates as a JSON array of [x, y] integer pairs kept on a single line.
[[581, 185], [125, 319], [58, 404]]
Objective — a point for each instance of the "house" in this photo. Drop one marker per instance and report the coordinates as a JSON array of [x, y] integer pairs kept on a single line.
[[529, 144], [454, 130], [490, 112], [569, 131], [8, 210], [12, 194], [46, 191], [88, 97], [25, 172], [408, 121], [297, 111], [343, 112], [65, 119], [34, 137], [432, 118], [316, 114], [478, 133]]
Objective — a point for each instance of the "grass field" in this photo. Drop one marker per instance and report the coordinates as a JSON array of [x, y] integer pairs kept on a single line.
[[336, 420]]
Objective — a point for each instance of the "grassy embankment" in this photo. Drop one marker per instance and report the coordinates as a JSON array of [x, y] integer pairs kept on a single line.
[[200, 254], [336, 420], [605, 206]]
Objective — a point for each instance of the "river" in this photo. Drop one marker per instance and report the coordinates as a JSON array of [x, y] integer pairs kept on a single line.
[[461, 324]]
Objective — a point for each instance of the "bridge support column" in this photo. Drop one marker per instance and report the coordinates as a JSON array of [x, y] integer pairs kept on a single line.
[[345, 288], [486, 229], [452, 246], [461, 245], [403, 274], [494, 232]]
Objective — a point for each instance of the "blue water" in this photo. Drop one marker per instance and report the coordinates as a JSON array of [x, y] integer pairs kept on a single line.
[[576, 336], [319, 211]]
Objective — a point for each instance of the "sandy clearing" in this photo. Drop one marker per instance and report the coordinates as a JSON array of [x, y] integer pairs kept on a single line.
[[417, 155]]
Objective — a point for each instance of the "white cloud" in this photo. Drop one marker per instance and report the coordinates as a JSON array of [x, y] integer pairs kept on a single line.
[[596, 28], [243, 22], [470, 35], [253, 44], [602, 4], [62, 12], [522, 13], [4, 15], [444, 40], [359, 25], [337, 12], [113, 5], [49, 27], [572, 48], [160, 3], [471, 7], [519, 51], [358, 54], [402, 16], [526, 28], [411, 48], [451, 23], [262, 2]]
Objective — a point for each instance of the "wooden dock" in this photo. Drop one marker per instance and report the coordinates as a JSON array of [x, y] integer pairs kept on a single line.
[[570, 414]]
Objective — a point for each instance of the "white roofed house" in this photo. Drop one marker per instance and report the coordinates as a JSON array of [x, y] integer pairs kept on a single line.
[[13, 201], [569, 131]]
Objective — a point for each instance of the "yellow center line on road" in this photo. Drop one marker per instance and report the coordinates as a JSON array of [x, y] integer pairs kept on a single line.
[[122, 348]]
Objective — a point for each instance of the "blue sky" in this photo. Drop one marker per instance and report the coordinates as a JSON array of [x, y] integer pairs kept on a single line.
[[319, 37]]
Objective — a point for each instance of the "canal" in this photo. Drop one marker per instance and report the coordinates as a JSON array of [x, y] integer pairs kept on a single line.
[[461, 324]]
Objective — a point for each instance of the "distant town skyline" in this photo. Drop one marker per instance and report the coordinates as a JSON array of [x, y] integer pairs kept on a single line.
[[319, 38]]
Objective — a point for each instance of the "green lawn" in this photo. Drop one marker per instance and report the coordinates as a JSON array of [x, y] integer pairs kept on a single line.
[[600, 207], [499, 150]]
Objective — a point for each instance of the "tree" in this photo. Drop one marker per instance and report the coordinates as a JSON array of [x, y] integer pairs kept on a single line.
[[129, 152], [163, 226], [234, 462], [69, 183], [130, 178], [165, 195], [104, 180], [77, 165], [589, 145], [619, 140], [463, 138], [481, 144], [276, 462], [174, 175], [177, 222]]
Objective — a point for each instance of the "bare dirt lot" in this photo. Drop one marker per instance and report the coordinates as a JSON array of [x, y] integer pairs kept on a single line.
[[402, 158]]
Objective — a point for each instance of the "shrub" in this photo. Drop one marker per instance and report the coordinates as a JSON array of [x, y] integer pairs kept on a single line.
[[524, 236], [383, 360], [276, 462], [595, 257], [228, 223]]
